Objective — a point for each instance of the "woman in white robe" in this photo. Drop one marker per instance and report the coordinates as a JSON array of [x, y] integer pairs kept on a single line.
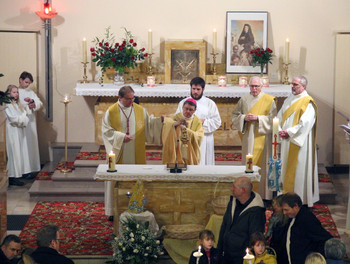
[[16, 120]]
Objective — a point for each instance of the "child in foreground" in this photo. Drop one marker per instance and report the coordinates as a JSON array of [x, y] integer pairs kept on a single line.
[[210, 255], [262, 254]]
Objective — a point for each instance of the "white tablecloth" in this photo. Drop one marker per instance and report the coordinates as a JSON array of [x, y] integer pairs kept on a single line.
[[175, 90], [194, 173]]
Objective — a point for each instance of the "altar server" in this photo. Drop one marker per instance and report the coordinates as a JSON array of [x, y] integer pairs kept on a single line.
[[16, 144], [253, 119], [28, 97], [182, 135], [126, 127], [298, 117], [208, 113]]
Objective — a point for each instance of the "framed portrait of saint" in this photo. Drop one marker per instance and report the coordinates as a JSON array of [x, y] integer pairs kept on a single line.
[[244, 31]]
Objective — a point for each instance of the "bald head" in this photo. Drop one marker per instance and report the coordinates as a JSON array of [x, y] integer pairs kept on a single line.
[[242, 188], [245, 182]]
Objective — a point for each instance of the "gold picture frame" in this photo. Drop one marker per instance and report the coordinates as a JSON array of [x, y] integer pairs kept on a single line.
[[184, 60]]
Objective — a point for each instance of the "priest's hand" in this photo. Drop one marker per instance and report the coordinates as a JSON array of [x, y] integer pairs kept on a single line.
[[251, 117], [284, 134], [127, 138]]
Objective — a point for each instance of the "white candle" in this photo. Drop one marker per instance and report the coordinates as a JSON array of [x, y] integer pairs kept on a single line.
[[150, 41], [287, 51], [111, 161], [214, 40], [84, 51], [249, 163], [248, 256]]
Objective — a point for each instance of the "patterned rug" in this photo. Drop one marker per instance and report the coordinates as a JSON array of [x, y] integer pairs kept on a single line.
[[157, 155], [85, 228], [321, 211], [322, 177], [87, 231]]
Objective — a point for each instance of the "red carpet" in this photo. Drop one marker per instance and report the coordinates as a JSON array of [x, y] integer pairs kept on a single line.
[[87, 231], [85, 228]]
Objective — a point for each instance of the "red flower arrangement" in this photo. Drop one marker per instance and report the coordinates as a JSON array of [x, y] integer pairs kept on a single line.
[[261, 57], [108, 53]]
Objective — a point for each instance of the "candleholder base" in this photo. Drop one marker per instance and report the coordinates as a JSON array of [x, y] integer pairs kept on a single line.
[[249, 171], [286, 78], [111, 170], [65, 170], [214, 62]]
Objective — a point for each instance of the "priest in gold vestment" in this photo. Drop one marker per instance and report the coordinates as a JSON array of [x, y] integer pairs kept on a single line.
[[182, 134], [126, 127], [253, 119]]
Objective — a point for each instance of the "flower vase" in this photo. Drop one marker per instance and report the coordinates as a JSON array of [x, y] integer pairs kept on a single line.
[[108, 75], [262, 66], [118, 78]]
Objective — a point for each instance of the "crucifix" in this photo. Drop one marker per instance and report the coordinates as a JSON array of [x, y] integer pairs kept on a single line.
[[275, 145]]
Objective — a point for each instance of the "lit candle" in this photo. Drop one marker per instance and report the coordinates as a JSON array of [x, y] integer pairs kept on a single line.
[[111, 161], [222, 81], [287, 51], [150, 41], [248, 256], [84, 51], [243, 81], [214, 40], [275, 139], [199, 248], [249, 163]]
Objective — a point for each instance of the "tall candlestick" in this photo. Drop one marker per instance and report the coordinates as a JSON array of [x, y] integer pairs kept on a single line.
[[287, 51], [150, 41], [111, 161], [249, 163], [275, 139], [84, 51], [214, 40]]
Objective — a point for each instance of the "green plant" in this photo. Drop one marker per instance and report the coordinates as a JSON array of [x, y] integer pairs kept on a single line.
[[5, 98], [137, 244], [108, 53]]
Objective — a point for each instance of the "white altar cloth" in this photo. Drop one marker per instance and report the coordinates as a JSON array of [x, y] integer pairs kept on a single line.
[[194, 173], [176, 90]]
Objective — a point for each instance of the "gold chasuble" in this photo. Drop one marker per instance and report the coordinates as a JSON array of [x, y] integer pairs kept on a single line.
[[182, 145], [262, 107], [298, 108], [140, 136]]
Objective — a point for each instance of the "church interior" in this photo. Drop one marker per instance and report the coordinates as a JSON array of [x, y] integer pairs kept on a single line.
[[307, 38]]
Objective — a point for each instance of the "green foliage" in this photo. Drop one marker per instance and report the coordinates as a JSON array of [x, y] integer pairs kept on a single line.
[[261, 57], [109, 53], [137, 244]]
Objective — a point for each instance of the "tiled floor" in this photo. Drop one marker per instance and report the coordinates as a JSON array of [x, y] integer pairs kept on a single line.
[[18, 202]]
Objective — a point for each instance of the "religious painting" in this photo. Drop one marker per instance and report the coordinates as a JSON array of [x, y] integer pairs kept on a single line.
[[184, 60], [244, 31]]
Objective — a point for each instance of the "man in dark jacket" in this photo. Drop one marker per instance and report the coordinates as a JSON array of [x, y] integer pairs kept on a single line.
[[10, 249], [305, 233], [48, 241], [245, 215]]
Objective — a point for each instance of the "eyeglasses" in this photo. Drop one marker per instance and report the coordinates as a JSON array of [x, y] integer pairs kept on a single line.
[[295, 84]]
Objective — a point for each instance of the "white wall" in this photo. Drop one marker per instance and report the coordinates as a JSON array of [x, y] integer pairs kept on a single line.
[[310, 25]]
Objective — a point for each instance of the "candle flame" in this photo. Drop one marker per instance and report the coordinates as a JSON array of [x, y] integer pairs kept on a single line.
[[247, 251], [287, 39], [214, 30], [111, 153], [199, 249]]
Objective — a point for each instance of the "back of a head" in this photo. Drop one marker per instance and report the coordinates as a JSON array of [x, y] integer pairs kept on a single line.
[[46, 234], [315, 258], [335, 249]]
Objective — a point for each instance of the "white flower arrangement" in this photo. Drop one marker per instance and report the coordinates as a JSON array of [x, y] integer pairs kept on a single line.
[[137, 244]]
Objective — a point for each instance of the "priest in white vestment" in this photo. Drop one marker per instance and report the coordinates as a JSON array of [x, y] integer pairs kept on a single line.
[[126, 127], [298, 119], [253, 119], [16, 121], [208, 113], [28, 97]]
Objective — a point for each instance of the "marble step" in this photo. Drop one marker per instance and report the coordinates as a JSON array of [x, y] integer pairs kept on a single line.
[[67, 191], [79, 174]]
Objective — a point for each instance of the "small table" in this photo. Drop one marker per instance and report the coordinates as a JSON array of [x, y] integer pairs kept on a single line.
[[174, 198]]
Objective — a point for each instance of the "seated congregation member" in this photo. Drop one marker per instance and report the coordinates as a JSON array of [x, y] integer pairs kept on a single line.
[[48, 241], [261, 253], [253, 119], [211, 255], [10, 249], [334, 250], [245, 215], [315, 258], [182, 134], [126, 127], [305, 233], [16, 144]]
